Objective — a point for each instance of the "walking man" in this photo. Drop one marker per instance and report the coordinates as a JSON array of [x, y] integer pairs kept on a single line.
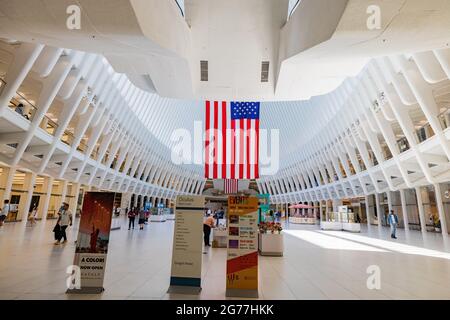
[[393, 222], [65, 219]]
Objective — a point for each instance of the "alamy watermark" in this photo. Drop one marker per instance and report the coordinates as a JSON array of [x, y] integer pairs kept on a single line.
[[209, 144], [74, 280], [374, 19], [374, 280], [73, 22]]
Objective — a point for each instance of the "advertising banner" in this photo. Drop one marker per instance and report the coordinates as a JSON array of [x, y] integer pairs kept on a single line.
[[187, 245], [242, 257], [92, 242]]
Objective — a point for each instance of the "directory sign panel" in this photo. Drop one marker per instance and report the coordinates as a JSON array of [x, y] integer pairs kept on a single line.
[[242, 257], [187, 242]]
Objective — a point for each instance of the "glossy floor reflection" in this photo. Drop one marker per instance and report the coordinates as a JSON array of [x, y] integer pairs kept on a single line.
[[316, 265]]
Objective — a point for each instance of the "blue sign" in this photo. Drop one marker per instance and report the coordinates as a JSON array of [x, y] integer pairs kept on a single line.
[[148, 206]]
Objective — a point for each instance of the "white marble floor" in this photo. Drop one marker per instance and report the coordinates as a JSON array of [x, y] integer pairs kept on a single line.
[[316, 265]]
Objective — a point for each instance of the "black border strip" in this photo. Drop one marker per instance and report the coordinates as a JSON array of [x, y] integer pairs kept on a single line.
[[190, 208]]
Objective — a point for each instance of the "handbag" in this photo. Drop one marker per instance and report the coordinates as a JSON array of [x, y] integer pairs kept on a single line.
[[57, 227]]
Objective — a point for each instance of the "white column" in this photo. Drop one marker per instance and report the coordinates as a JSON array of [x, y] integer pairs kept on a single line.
[[423, 225], [6, 181], [48, 187], [440, 206], [404, 209], [24, 206]]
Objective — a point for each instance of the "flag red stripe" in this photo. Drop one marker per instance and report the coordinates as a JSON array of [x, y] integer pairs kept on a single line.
[[248, 132], [224, 139], [216, 137], [257, 149], [241, 149], [233, 148], [208, 126], [230, 186]]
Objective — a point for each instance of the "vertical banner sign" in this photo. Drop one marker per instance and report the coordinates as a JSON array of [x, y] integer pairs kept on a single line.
[[187, 245], [242, 259], [93, 239]]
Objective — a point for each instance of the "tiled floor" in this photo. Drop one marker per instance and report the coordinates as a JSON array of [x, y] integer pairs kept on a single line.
[[316, 265]]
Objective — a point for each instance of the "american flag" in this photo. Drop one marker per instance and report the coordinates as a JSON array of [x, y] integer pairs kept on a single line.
[[232, 140], [230, 186]]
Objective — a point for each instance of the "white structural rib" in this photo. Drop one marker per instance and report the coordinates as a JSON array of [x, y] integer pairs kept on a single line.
[[386, 129], [88, 124]]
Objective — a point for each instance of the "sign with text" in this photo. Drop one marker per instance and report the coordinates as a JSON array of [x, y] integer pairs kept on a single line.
[[187, 243], [242, 257], [93, 239]]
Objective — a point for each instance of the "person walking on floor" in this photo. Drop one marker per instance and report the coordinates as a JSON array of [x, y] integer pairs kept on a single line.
[[5, 211], [207, 226], [32, 216], [131, 218], [141, 219], [393, 222], [65, 220]]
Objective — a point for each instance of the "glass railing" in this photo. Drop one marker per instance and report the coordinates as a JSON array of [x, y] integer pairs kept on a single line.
[[373, 158], [23, 106], [49, 125], [28, 110], [444, 119], [403, 144], [424, 132], [386, 152], [82, 147], [68, 138]]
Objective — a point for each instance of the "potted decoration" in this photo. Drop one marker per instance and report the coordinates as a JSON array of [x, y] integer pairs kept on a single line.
[[271, 239]]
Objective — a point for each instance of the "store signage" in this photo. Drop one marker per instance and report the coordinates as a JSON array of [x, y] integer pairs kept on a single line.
[[187, 244], [93, 240], [343, 213], [242, 257]]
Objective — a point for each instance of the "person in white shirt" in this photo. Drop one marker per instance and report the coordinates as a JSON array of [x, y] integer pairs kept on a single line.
[[32, 216], [65, 220], [4, 213]]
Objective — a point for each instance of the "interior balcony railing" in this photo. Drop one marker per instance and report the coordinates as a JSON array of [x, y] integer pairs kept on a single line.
[[68, 138], [425, 132], [444, 119], [386, 152], [403, 144], [23, 106], [49, 125], [94, 153], [82, 147]]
